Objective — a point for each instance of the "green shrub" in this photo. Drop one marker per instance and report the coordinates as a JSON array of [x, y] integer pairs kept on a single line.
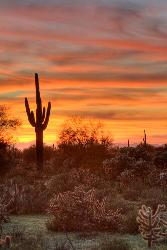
[[119, 202], [154, 196], [153, 193]]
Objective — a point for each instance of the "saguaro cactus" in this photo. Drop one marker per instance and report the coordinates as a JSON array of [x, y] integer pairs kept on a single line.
[[145, 139], [40, 123]]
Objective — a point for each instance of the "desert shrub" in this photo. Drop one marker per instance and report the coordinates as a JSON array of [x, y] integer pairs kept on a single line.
[[9, 158], [37, 197], [60, 183], [80, 210], [7, 124], [153, 177], [133, 191], [154, 196], [29, 154], [24, 173], [122, 165], [115, 166], [126, 206], [104, 189], [82, 143], [115, 244], [142, 168], [126, 178], [131, 194], [153, 193], [23, 198], [160, 158], [67, 181], [142, 152], [4, 159]]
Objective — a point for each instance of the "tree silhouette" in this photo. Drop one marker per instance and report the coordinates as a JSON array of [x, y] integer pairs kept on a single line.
[[7, 123]]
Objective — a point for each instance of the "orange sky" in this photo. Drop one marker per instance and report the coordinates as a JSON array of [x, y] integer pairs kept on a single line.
[[103, 59]]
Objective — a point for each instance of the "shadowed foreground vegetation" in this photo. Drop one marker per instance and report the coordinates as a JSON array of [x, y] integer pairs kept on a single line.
[[33, 233]]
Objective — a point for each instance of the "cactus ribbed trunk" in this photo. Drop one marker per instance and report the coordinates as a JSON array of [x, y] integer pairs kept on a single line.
[[40, 123], [39, 149], [150, 225]]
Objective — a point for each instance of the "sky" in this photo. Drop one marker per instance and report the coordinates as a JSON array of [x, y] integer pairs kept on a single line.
[[102, 59]]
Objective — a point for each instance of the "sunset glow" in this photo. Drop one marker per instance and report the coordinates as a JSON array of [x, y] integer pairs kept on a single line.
[[102, 59]]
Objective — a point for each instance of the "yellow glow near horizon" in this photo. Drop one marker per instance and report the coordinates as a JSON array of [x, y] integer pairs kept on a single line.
[[105, 60]]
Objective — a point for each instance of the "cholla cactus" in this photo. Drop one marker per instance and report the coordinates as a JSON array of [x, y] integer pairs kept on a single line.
[[150, 224], [81, 210], [6, 242]]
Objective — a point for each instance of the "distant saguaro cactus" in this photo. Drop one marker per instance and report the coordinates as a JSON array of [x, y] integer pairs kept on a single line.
[[40, 123], [150, 224], [145, 139]]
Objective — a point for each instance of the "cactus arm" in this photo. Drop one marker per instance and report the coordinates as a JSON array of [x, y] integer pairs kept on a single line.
[[142, 215], [38, 97], [43, 114], [27, 106], [32, 119], [30, 114], [159, 209], [44, 126]]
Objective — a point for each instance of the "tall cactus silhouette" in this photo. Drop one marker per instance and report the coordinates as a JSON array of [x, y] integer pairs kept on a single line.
[[145, 139], [40, 123]]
